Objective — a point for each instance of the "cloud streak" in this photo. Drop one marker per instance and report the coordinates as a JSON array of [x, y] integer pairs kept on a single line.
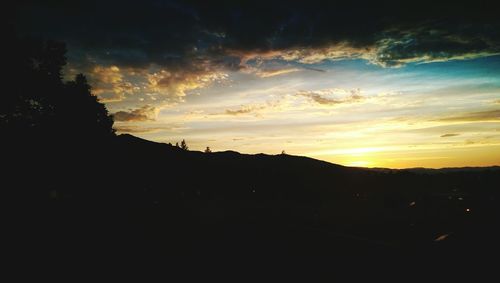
[[275, 72], [331, 96], [491, 115], [449, 135]]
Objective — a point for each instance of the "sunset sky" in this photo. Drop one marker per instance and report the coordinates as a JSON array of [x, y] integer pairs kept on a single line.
[[375, 85]]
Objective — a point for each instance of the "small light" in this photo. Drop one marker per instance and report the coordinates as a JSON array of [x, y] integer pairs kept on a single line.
[[441, 238], [467, 210]]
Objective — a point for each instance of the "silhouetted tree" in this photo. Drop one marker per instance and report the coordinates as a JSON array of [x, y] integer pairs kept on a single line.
[[177, 144], [57, 131], [37, 104], [91, 115], [33, 85], [208, 150], [184, 145]]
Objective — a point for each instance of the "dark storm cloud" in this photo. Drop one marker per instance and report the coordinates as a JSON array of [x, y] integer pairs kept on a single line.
[[118, 32], [185, 34]]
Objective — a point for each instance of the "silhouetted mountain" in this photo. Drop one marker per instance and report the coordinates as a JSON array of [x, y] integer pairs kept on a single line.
[[191, 203], [456, 169], [401, 209]]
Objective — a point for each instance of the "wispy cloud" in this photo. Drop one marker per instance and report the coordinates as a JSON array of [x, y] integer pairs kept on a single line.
[[275, 72], [449, 135], [394, 48], [491, 115], [333, 96], [243, 110], [255, 108], [315, 69]]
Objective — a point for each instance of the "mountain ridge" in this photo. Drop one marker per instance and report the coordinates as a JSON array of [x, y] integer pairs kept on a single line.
[[135, 139]]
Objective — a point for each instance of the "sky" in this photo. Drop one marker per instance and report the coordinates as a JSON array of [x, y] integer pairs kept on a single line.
[[393, 84]]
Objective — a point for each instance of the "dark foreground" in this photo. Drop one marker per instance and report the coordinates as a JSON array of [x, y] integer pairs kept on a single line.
[[155, 204]]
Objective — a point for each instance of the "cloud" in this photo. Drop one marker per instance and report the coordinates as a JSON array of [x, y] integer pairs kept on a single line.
[[394, 49], [333, 96], [266, 73], [145, 113], [239, 111], [243, 110], [430, 44], [336, 51], [251, 108], [108, 75], [114, 84], [492, 115], [315, 69], [275, 72], [449, 135], [179, 35], [108, 83], [258, 109], [177, 84]]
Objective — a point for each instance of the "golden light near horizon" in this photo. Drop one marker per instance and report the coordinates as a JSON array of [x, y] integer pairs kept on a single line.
[[450, 121], [360, 163], [347, 111]]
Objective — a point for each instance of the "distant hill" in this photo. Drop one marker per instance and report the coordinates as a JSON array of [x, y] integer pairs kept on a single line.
[[131, 199], [133, 140], [454, 169]]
